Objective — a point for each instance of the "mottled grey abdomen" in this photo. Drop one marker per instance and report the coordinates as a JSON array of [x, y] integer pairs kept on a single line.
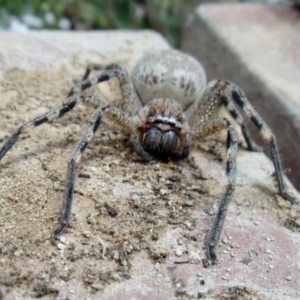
[[169, 74]]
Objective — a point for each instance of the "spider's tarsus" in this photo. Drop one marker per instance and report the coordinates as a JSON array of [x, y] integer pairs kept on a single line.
[[211, 255], [59, 230], [287, 197], [12, 140]]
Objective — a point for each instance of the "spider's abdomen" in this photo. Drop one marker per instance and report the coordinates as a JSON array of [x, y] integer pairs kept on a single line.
[[169, 74]]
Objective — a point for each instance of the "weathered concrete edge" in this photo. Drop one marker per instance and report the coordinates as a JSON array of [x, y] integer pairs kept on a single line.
[[203, 39]]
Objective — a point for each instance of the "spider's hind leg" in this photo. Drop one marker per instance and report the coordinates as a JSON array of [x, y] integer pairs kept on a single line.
[[236, 95], [130, 101], [228, 103]]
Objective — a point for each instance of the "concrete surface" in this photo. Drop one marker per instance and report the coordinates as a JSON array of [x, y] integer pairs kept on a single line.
[[257, 47], [153, 249]]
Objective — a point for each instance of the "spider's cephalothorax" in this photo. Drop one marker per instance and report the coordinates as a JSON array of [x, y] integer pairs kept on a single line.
[[178, 106], [163, 130]]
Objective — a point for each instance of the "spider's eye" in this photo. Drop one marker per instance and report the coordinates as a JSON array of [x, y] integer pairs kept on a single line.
[[157, 141]]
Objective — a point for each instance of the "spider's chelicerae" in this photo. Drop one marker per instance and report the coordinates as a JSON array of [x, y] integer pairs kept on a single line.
[[178, 107]]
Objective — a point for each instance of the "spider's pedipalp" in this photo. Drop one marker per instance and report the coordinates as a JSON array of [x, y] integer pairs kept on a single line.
[[146, 156]]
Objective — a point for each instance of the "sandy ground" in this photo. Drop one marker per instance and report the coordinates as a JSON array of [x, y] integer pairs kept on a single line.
[[153, 248]]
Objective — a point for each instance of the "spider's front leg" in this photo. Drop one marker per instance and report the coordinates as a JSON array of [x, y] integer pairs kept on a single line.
[[59, 111], [69, 188], [116, 115], [203, 130]]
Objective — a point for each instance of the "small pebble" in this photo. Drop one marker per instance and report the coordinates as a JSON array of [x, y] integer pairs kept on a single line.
[[178, 252], [195, 257], [189, 203], [61, 246], [163, 192], [106, 168], [136, 197], [288, 278], [224, 278], [62, 239], [97, 286], [225, 240]]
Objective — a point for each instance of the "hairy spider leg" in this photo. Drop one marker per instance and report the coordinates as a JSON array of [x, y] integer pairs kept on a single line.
[[129, 96], [230, 105], [117, 116], [238, 97], [204, 130], [112, 112], [203, 111], [61, 110], [213, 97]]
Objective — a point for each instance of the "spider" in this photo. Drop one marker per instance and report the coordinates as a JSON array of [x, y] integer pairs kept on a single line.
[[178, 107]]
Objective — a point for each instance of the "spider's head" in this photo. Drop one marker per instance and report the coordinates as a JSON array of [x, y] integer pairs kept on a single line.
[[158, 141], [163, 130]]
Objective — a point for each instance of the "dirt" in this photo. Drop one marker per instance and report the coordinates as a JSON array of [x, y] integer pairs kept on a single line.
[[122, 205]]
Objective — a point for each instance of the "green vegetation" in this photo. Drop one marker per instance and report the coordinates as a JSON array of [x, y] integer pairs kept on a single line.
[[165, 16]]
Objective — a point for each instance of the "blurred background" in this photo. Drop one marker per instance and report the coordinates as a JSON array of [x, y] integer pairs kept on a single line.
[[165, 16]]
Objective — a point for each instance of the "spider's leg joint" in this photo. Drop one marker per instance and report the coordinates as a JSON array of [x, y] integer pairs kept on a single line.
[[67, 107], [258, 124], [236, 97], [40, 121]]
